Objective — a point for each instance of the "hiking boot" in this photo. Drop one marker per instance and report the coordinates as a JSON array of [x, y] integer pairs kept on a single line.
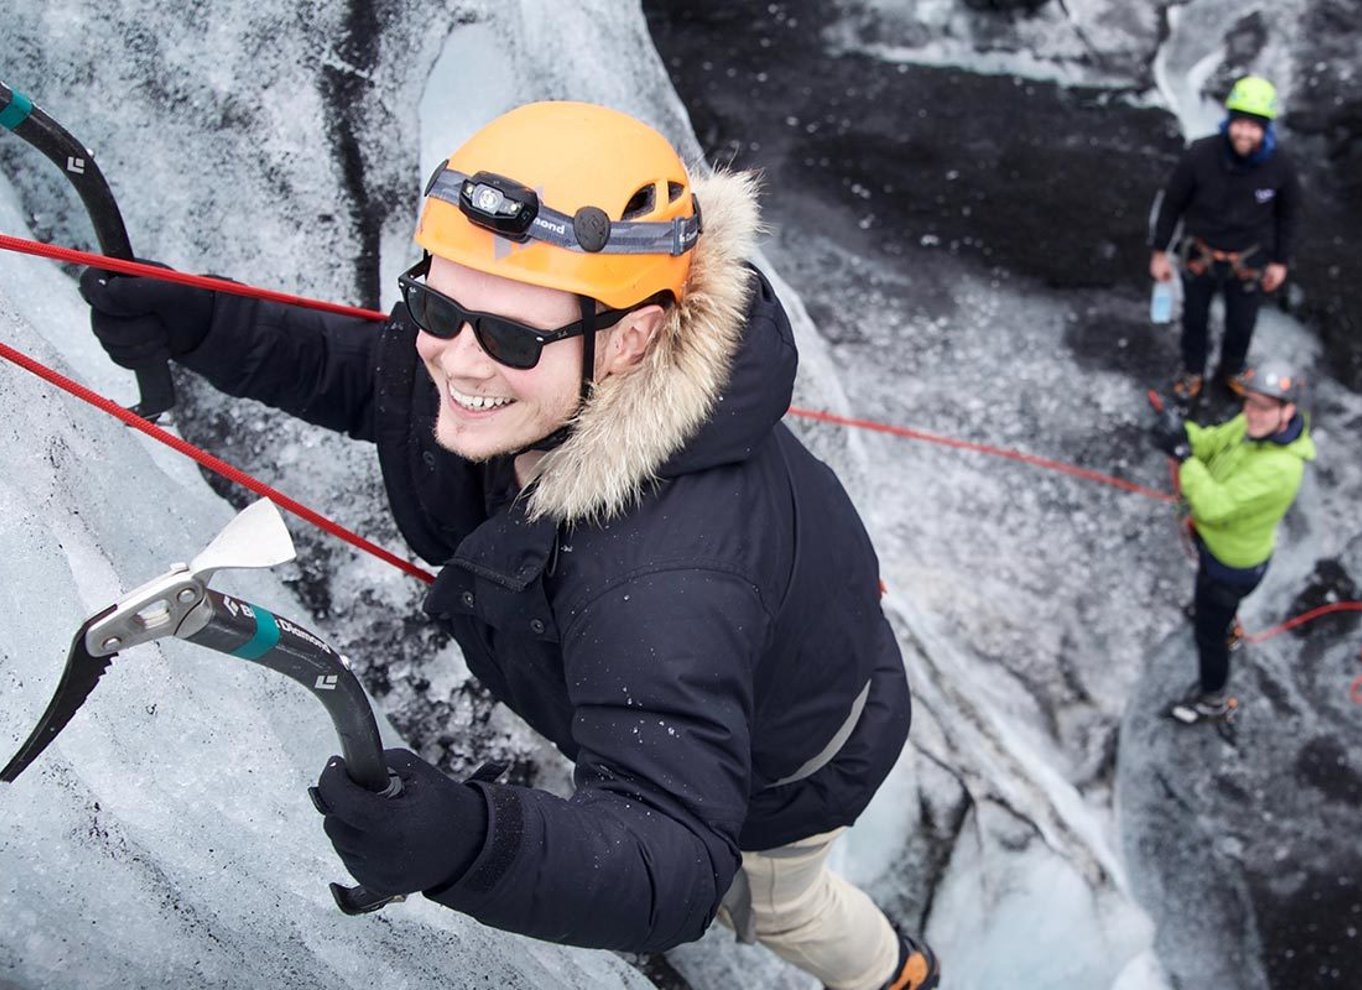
[[917, 968], [1203, 706], [1211, 706], [1187, 386], [1227, 380]]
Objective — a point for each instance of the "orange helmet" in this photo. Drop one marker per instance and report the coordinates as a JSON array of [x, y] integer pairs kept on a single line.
[[570, 196]]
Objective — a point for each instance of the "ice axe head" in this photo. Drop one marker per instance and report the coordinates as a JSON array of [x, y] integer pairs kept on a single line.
[[257, 537]]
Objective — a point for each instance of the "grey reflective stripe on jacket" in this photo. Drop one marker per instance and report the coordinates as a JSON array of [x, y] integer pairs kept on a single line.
[[824, 756]]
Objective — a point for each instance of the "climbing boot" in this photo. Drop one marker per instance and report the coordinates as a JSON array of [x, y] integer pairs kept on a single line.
[[917, 968], [1187, 386], [1227, 380], [1203, 706]]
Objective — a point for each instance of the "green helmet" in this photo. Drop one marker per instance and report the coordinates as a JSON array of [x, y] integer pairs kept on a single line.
[[1274, 379], [1255, 96]]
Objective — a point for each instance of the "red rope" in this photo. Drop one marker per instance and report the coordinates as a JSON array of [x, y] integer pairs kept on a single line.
[[242, 289], [1303, 618], [209, 461], [982, 448], [105, 263]]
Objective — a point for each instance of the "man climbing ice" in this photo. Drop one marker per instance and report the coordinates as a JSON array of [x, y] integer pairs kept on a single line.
[[577, 410]]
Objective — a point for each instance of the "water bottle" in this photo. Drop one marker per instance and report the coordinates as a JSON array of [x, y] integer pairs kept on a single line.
[[1161, 302]]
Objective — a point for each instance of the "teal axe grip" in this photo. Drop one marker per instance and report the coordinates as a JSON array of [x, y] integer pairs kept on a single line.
[[16, 110]]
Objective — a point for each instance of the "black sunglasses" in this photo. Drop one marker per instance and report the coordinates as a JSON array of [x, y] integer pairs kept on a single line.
[[506, 341]]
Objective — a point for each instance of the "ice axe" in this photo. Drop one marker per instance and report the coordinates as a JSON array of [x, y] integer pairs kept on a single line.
[[25, 119], [179, 603]]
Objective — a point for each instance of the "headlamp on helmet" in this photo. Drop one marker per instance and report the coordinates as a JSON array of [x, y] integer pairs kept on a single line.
[[499, 204]]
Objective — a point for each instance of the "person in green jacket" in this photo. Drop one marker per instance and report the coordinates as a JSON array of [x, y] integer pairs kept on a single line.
[[1238, 479]]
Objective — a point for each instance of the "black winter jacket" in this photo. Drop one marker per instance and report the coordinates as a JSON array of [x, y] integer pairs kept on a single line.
[[1230, 203], [686, 653]]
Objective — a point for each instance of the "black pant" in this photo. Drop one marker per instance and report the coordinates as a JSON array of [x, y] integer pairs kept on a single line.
[[1242, 297], [1219, 590]]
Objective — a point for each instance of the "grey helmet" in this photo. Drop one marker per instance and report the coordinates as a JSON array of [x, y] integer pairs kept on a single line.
[[1275, 379]]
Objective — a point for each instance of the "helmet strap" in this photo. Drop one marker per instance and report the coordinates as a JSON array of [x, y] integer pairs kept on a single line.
[[587, 307]]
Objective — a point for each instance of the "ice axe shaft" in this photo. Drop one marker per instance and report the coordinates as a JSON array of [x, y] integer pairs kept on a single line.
[[28, 121], [247, 631]]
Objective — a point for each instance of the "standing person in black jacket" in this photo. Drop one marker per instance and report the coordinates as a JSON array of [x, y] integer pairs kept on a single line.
[[1237, 196], [577, 413]]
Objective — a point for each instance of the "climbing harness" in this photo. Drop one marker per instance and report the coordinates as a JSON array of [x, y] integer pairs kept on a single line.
[[1200, 258]]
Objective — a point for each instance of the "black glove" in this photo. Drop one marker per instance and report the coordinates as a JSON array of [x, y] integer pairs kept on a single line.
[[142, 321], [426, 836], [1168, 433]]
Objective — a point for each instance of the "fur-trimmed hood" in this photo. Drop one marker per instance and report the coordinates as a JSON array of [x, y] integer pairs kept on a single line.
[[713, 351]]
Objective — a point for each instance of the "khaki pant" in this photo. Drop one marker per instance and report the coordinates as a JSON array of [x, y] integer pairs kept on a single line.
[[788, 900]]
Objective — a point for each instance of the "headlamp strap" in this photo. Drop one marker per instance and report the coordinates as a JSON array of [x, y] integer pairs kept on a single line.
[[581, 233]]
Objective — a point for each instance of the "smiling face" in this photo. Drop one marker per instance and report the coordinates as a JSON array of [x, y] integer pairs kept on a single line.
[[1245, 136], [486, 408], [1266, 416]]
